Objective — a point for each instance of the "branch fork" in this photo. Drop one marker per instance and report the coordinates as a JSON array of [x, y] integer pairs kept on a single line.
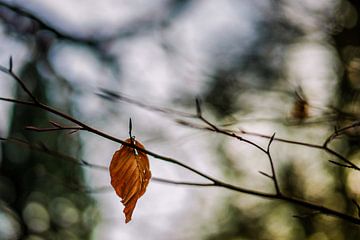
[[213, 182]]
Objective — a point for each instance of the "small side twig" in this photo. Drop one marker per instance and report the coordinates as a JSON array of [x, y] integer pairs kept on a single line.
[[211, 127], [41, 147], [111, 95], [311, 145], [57, 127], [265, 174], [18, 80], [340, 164], [214, 128], [308, 215], [38, 129], [276, 183], [200, 116], [357, 206], [10, 64], [213, 181], [337, 132]]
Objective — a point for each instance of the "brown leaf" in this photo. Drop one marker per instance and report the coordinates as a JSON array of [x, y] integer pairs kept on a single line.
[[300, 110], [130, 175]]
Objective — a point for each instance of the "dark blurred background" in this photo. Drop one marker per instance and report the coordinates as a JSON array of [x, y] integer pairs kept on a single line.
[[288, 67]]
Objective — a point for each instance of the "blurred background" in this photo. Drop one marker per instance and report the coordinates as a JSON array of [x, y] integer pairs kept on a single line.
[[268, 66]]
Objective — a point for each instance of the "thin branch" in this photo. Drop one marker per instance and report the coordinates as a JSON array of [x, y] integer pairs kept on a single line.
[[162, 180], [214, 181], [88, 128], [41, 147], [338, 132], [57, 127], [341, 157], [92, 190], [270, 142], [10, 64], [18, 101], [273, 174], [130, 128], [37, 129], [198, 107], [317, 146], [46, 26], [55, 124], [357, 206], [307, 215], [214, 128], [19, 81], [281, 139], [200, 116], [111, 95], [340, 164], [265, 174], [276, 183], [92, 39]]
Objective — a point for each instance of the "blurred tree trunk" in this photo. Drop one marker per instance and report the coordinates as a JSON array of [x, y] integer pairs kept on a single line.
[[39, 186], [347, 43]]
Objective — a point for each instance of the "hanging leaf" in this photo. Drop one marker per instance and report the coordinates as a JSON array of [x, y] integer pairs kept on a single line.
[[300, 110], [130, 175]]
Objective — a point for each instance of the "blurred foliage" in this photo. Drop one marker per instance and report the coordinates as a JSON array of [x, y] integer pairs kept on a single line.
[[262, 64], [37, 200], [36, 204], [241, 224]]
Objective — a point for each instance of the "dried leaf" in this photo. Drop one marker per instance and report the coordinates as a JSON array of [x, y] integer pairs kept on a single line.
[[130, 175], [300, 110]]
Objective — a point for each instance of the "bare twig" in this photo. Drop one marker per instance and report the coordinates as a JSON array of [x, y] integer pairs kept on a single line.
[[211, 127], [104, 189], [304, 216], [162, 180], [43, 148], [10, 64], [338, 132], [340, 164], [37, 129], [214, 128], [46, 26], [198, 108], [111, 95], [85, 127], [57, 127], [357, 206], [265, 174], [276, 183], [213, 181], [18, 80], [18, 101], [317, 146]]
